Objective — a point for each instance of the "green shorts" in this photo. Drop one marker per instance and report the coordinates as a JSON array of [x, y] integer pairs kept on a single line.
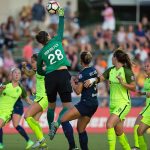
[[5, 117], [43, 102], [146, 115], [120, 110]]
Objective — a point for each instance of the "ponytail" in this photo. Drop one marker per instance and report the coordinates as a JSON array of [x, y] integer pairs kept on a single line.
[[123, 58]]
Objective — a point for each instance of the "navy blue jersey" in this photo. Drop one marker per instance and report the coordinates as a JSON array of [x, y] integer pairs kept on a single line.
[[89, 95]]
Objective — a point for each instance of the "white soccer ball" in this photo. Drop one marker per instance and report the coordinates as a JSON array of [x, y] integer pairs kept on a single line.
[[52, 7]]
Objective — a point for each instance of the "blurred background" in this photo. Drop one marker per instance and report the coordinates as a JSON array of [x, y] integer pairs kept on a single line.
[[98, 26]]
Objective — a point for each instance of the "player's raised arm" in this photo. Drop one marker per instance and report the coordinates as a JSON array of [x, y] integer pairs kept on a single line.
[[60, 29], [40, 70], [27, 72]]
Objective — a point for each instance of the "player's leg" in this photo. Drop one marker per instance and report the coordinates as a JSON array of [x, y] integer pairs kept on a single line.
[[2, 123], [51, 91], [83, 138], [32, 115], [143, 126], [64, 90], [16, 120], [1, 138], [66, 107], [34, 109], [136, 125], [111, 135], [37, 116], [50, 113], [141, 130], [121, 136], [71, 114]]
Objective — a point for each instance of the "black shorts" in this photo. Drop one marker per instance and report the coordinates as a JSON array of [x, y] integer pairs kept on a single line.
[[58, 82], [18, 108], [86, 110]]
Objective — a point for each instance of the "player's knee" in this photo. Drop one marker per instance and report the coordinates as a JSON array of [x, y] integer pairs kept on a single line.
[[80, 130], [15, 124], [109, 125], [118, 132], [27, 114], [140, 131]]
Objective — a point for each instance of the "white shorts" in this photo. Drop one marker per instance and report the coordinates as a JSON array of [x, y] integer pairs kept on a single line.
[[109, 25]]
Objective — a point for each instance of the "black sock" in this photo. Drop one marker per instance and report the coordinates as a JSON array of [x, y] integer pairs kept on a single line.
[[22, 132], [1, 135], [83, 139], [68, 131]]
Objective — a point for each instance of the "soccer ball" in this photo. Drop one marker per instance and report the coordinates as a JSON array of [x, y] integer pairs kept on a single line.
[[52, 7]]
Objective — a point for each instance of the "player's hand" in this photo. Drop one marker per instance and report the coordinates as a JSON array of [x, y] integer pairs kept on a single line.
[[61, 12], [120, 79], [89, 83], [2, 87], [139, 93], [24, 64], [148, 94]]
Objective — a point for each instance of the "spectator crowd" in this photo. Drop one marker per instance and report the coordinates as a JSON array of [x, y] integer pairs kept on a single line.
[[17, 42]]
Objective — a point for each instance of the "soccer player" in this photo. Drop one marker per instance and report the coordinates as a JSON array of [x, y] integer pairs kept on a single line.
[[121, 80], [10, 102], [34, 112], [143, 120], [57, 77], [85, 109]]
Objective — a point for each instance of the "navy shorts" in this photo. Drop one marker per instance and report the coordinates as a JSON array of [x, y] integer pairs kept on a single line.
[[18, 108], [86, 110]]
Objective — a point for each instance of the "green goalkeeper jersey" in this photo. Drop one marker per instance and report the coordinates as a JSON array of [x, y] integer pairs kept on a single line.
[[53, 54], [8, 98], [118, 93], [147, 89]]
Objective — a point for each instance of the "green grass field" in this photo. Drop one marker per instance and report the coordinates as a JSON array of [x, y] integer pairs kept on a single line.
[[96, 142]]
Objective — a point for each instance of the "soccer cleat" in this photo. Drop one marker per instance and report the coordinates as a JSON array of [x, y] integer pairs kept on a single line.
[[43, 147], [38, 143], [54, 127], [135, 148], [76, 148], [29, 144], [1, 146]]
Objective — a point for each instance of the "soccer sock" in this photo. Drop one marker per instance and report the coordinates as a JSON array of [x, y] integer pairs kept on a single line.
[[142, 143], [60, 115], [83, 139], [68, 131], [22, 132], [36, 128], [136, 143], [111, 138], [124, 142], [50, 116], [1, 135]]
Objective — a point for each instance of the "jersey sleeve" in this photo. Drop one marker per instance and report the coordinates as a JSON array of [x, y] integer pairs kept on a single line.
[[106, 73], [5, 83], [81, 78], [40, 71], [60, 29], [129, 75]]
